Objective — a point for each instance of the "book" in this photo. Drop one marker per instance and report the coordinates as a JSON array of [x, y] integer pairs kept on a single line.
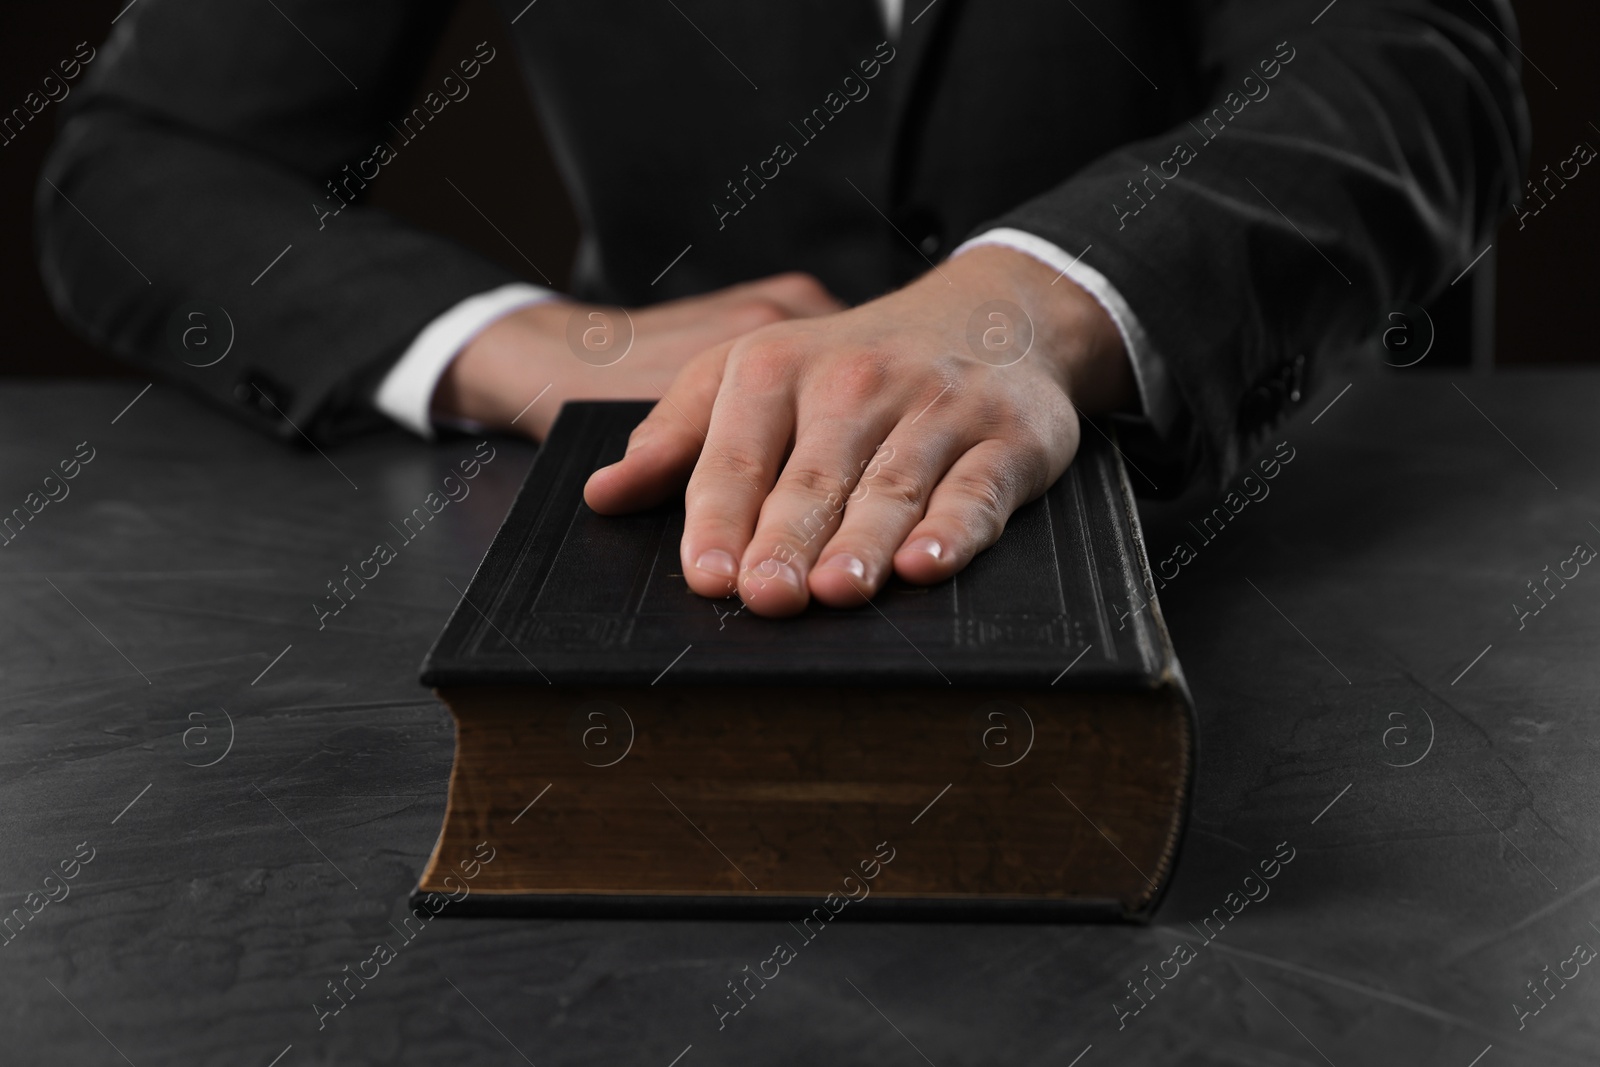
[[1015, 743]]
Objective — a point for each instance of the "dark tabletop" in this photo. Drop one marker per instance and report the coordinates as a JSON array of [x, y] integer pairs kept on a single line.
[[1355, 618]]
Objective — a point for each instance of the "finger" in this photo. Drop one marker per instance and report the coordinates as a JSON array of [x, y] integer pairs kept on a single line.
[[694, 323], [803, 510], [796, 293], [779, 296], [710, 326], [751, 425], [969, 508], [888, 499], [662, 449], [801, 294]]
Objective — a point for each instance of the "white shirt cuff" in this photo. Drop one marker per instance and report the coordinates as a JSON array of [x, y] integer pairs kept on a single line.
[[406, 392], [1156, 394]]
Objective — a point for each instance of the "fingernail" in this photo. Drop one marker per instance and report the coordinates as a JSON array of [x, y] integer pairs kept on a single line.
[[928, 545], [715, 561], [847, 563], [771, 570]]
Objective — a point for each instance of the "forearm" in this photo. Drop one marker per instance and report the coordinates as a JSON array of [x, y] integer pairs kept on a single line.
[[175, 184]]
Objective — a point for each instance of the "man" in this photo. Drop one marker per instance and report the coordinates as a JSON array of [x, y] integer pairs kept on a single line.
[[1175, 211]]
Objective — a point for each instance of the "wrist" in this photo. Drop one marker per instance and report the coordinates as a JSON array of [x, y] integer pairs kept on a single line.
[[1072, 334], [470, 387]]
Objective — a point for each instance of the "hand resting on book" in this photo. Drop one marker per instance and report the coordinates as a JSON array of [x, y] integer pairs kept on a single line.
[[822, 454]]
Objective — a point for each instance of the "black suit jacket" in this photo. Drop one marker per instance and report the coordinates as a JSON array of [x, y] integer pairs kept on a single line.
[[1258, 185]]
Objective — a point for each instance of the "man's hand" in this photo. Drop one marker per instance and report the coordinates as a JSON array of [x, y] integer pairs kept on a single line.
[[822, 454], [584, 352]]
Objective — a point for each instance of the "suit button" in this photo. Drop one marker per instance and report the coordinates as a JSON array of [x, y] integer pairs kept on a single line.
[[261, 394], [1297, 378]]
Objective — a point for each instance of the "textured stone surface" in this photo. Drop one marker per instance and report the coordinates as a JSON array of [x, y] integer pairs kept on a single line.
[[1384, 558]]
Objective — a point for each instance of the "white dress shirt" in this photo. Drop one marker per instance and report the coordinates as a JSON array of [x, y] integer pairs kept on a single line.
[[406, 392]]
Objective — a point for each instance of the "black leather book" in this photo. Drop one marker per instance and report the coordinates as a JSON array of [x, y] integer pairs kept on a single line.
[[1017, 742]]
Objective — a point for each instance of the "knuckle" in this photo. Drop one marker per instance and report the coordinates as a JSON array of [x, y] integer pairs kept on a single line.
[[744, 463], [739, 459], [810, 481], [897, 484], [984, 496], [764, 365], [938, 394], [1013, 476], [860, 380]]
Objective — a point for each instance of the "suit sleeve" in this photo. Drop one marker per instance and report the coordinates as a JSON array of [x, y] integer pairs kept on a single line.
[[206, 162], [1336, 167]]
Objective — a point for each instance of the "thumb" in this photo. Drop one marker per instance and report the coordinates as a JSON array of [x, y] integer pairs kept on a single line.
[[663, 449]]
